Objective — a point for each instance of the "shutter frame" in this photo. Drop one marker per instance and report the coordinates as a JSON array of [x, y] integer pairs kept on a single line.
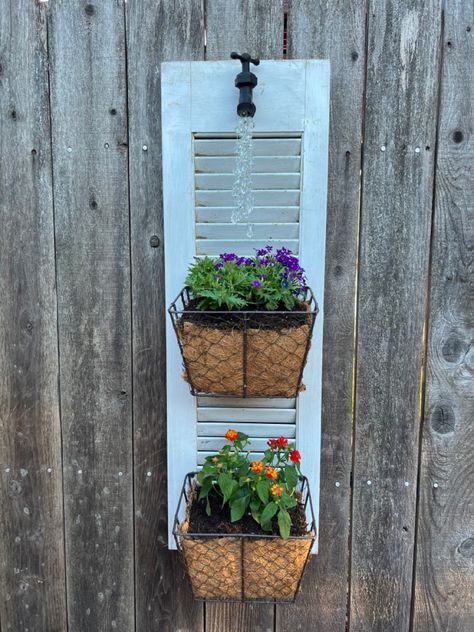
[[191, 126]]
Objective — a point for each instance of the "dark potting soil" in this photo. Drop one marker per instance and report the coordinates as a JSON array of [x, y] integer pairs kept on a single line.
[[219, 520], [263, 319]]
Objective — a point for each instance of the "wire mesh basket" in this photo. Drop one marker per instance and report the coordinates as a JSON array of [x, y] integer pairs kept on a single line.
[[243, 353], [242, 567]]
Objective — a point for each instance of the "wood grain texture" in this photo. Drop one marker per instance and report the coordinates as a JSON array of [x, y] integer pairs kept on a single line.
[[445, 560], [156, 32], [334, 31], [245, 26], [32, 582], [89, 116], [256, 28], [400, 129]]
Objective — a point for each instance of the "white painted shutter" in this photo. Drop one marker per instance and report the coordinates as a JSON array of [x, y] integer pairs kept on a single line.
[[290, 179]]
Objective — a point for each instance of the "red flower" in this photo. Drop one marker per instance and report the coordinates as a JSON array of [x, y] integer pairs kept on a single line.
[[282, 442], [273, 444], [295, 456], [231, 435]]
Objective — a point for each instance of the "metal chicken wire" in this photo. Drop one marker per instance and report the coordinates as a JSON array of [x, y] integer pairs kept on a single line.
[[241, 567], [243, 353]]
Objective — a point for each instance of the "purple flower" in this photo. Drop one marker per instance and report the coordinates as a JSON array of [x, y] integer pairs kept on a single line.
[[264, 251], [218, 265], [228, 256], [256, 283], [248, 262]]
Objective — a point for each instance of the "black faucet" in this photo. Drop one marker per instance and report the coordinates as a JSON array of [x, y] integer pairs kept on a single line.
[[245, 81]]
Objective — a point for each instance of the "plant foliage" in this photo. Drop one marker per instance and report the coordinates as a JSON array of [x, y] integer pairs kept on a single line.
[[265, 488], [266, 281]]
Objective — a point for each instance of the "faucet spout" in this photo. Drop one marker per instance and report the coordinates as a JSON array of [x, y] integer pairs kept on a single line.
[[245, 81]]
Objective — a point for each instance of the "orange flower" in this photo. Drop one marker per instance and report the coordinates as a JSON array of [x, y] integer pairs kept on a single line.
[[231, 435], [277, 490], [272, 473], [257, 467]]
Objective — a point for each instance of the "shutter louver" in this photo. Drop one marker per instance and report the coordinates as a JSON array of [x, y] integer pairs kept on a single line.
[[276, 188], [275, 217]]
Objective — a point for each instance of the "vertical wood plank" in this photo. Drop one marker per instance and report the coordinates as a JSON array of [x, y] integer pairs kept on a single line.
[[90, 167], [334, 31], [400, 122], [444, 571], [32, 582], [245, 26], [156, 32], [256, 28]]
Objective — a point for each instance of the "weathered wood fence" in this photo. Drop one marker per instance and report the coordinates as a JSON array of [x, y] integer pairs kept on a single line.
[[82, 392]]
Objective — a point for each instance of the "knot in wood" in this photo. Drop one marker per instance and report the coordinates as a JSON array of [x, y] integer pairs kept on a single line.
[[466, 548], [443, 420]]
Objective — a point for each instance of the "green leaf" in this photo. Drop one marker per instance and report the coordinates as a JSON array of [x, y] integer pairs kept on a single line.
[[238, 507], [262, 491], [256, 515], [268, 456], [291, 476], [208, 508], [227, 485], [269, 511], [205, 487], [255, 504], [289, 501], [284, 523], [206, 470]]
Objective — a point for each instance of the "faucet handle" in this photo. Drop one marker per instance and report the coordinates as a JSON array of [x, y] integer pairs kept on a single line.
[[245, 58]]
